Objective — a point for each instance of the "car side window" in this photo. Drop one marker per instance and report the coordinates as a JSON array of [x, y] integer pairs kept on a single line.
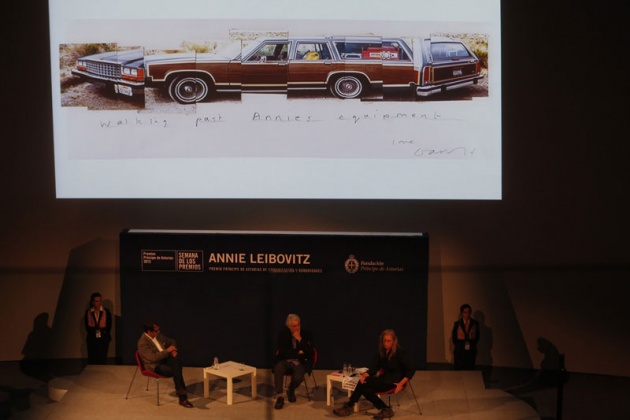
[[271, 52], [312, 51], [349, 51], [386, 51], [394, 51]]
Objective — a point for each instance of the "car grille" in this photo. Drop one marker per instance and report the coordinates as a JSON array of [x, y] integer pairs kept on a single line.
[[103, 69]]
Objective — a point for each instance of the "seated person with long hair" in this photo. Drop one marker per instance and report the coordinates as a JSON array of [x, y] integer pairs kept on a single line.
[[393, 368]]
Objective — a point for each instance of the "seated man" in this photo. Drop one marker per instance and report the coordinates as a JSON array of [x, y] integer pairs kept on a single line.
[[294, 356], [159, 354]]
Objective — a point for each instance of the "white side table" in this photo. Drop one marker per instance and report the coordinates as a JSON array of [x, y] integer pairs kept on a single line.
[[229, 371], [336, 377]]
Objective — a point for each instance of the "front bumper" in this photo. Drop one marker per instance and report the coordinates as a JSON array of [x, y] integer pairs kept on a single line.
[[121, 86]]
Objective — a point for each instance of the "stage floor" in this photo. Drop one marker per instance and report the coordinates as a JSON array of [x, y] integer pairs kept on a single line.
[[98, 392]]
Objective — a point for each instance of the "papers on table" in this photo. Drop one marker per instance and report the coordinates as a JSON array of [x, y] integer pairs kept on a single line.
[[350, 382]]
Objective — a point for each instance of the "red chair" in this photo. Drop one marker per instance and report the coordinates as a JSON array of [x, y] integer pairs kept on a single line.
[[149, 374], [310, 373], [393, 391]]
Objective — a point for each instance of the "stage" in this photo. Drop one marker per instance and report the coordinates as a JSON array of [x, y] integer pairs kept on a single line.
[[98, 392]]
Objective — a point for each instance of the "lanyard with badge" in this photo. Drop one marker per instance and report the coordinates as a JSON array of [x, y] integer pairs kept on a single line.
[[466, 334], [97, 323]]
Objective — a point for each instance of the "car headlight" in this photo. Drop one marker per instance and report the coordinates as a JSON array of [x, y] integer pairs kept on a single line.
[[130, 72]]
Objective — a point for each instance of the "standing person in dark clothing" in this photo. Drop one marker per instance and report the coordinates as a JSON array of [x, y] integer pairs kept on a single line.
[[159, 354], [294, 356], [465, 336], [393, 368], [98, 325]]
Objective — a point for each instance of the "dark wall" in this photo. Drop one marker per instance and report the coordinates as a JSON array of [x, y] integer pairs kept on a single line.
[[548, 261], [235, 310]]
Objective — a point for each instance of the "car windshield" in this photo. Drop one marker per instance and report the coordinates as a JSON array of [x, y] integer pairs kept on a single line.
[[448, 51]]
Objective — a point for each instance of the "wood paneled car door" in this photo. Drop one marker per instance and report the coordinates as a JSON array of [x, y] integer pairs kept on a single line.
[[265, 68], [311, 65]]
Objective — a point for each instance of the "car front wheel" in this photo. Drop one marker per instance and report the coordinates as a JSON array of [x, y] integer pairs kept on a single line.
[[347, 87], [188, 89]]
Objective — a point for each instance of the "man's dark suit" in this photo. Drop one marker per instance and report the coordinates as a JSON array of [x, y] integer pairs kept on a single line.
[[289, 349]]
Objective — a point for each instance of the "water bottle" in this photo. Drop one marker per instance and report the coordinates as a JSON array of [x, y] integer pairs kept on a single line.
[[215, 365]]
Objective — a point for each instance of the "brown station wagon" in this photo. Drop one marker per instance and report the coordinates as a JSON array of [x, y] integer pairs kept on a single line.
[[347, 66]]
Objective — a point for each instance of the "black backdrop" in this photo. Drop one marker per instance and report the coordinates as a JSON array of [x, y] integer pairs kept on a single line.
[[347, 288]]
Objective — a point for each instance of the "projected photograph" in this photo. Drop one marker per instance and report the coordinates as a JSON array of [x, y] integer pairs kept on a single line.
[[209, 99], [357, 67]]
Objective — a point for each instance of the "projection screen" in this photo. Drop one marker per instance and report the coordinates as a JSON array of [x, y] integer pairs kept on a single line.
[[277, 99]]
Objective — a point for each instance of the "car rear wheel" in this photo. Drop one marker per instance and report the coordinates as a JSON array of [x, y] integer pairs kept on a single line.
[[188, 89], [347, 87]]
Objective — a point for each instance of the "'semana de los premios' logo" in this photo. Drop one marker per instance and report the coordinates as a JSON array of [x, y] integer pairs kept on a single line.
[[352, 265]]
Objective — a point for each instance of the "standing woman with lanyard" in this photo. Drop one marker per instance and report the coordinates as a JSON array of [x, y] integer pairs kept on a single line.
[[465, 336], [98, 324]]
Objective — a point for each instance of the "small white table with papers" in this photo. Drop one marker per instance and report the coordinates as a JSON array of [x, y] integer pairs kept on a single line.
[[337, 377], [229, 371]]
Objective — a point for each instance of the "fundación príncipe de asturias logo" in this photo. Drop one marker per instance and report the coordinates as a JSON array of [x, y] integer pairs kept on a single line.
[[352, 264]]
